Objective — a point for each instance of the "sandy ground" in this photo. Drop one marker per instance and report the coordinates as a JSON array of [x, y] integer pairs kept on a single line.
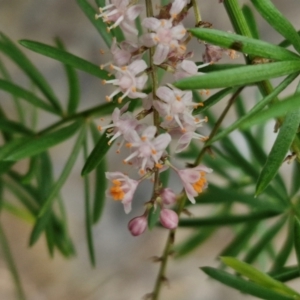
[[124, 269]]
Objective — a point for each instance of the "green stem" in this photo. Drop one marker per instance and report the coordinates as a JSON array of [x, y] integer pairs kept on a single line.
[[196, 12], [217, 125], [11, 264]]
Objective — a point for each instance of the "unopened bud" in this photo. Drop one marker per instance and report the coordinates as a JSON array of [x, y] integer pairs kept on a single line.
[[168, 218], [168, 196], [137, 225]]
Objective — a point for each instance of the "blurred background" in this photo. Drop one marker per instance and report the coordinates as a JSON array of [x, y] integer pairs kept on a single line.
[[124, 269]]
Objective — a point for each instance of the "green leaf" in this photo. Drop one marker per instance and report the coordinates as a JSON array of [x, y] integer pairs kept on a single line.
[[7, 255], [286, 274], [237, 17], [18, 106], [250, 19], [153, 217], [243, 285], [280, 147], [14, 127], [264, 241], [66, 58], [29, 175], [259, 106], [193, 242], [73, 80], [20, 92], [276, 19], [240, 241], [227, 219], [100, 186], [98, 24], [286, 43], [254, 47], [297, 239], [44, 216], [36, 145], [50, 240], [284, 253], [258, 277], [238, 76], [212, 100], [9, 48], [97, 155], [295, 179], [88, 213]]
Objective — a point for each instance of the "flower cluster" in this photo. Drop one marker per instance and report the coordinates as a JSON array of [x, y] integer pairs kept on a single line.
[[173, 110]]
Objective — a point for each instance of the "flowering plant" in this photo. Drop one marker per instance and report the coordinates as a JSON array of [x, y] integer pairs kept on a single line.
[[159, 108]]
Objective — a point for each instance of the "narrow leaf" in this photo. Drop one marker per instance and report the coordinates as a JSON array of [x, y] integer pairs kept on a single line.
[[256, 249], [66, 58], [193, 242], [100, 185], [88, 213], [258, 277], [96, 155], [20, 92], [73, 80], [259, 106], [297, 239], [212, 100], [280, 147], [250, 19], [243, 285], [278, 21], [227, 219], [98, 24], [14, 127], [286, 249], [7, 254], [44, 216], [286, 274], [238, 76], [36, 145], [241, 239], [251, 46], [11, 50], [64, 174]]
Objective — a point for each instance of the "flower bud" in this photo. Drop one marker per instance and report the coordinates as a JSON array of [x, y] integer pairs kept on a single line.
[[168, 196], [168, 218], [137, 225]]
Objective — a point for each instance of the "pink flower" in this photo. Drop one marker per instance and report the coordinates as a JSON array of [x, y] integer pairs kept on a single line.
[[122, 189], [194, 181], [168, 196], [147, 148], [190, 133], [175, 104], [121, 13], [129, 80], [121, 124], [137, 225], [165, 36], [168, 218], [187, 68]]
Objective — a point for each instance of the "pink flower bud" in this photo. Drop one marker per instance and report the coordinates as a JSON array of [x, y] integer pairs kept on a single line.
[[137, 225], [168, 218], [168, 196]]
